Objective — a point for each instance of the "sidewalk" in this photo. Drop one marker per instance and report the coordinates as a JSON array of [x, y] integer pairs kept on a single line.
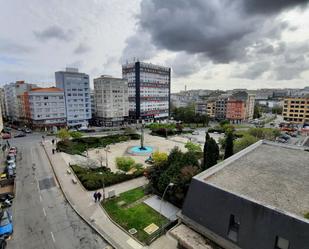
[[82, 201]]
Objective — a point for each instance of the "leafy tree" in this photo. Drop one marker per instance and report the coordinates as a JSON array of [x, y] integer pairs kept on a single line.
[[276, 110], [124, 163], [75, 134], [224, 122], [229, 145], [193, 147], [159, 158], [244, 142], [257, 112], [63, 134]]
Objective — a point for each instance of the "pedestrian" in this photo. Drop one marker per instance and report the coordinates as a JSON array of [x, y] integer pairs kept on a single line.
[[53, 141], [95, 196], [53, 150], [99, 196]]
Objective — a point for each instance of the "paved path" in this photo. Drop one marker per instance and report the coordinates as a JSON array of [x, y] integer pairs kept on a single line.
[[82, 202]]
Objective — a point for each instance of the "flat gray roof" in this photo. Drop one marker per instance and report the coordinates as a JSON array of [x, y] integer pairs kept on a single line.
[[272, 174]]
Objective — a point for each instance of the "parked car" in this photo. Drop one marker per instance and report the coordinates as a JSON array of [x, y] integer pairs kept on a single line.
[[20, 135], [6, 224], [11, 157], [13, 152], [19, 129], [6, 136], [12, 165], [27, 130], [195, 133], [13, 148]]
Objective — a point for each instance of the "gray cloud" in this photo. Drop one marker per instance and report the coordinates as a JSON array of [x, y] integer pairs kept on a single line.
[[184, 64], [54, 32], [82, 48], [222, 30], [9, 47], [254, 71]]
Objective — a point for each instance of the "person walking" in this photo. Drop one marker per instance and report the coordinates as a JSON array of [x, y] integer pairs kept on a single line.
[[99, 196], [53, 141], [95, 196]]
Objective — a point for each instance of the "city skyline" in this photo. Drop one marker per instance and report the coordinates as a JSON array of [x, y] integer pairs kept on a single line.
[[261, 47]]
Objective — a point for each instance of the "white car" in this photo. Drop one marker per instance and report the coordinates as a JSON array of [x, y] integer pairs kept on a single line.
[[195, 133], [11, 164]]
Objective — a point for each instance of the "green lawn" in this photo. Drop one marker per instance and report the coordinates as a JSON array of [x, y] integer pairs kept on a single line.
[[137, 216]]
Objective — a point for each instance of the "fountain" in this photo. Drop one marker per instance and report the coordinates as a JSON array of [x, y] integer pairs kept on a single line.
[[141, 150]]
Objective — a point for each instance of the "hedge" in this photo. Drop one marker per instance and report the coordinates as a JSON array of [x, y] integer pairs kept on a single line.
[[92, 179], [79, 145]]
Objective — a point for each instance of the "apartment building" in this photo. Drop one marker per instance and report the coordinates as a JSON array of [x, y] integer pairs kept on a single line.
[[111, 100], [255, 199], [2, 102], [13, 94], [211, 108], [221, 106], [149, 88], [296, 110], [240, 107], [45, 107], [1, 119], [201, 107], [76, 94]]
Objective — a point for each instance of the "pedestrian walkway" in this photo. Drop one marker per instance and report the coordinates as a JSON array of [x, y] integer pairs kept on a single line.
[[82, 201]]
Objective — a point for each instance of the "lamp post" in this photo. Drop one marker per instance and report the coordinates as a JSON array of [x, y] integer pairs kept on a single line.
[[169, 185], [106, 158]]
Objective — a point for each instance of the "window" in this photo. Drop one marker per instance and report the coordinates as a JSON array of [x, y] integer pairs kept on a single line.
[[233, 228], [281, 243], [45, 97]]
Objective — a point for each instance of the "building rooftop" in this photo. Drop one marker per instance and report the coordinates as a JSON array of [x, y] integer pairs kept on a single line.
[[274, 175], [47, 89]]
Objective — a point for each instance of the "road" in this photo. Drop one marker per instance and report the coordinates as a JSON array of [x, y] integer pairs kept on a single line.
[[42, 217]]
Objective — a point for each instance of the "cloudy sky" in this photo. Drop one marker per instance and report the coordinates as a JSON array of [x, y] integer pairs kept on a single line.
[[213, 44]]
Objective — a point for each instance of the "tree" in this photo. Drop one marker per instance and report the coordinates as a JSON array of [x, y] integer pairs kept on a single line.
[[75, 134], [159, 157], [124, 163], [63, 134], [193, 147], [229, 145], [244, 142], [257, 112], [211, 153]]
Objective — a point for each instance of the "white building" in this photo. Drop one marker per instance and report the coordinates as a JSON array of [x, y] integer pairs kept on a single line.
[[2, 102], [45, 107], [77, 96], [13, 94], [111, 100], [149, 90]]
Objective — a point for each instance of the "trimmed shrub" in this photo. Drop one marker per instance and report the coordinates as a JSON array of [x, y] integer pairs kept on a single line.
[[93, 179], [124, 163]]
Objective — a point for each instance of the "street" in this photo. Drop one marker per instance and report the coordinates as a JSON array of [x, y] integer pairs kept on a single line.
[[42, 218]]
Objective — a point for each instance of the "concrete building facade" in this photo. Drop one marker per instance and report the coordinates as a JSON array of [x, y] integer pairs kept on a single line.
[[149, 90], [2, 103], [255, 199], [45, 107], [111, 100], [296, 110], [77, 96], [220, 107], [13, 93]]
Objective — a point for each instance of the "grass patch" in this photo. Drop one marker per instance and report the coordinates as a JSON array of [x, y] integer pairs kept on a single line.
[[137, 216], [306, 215]]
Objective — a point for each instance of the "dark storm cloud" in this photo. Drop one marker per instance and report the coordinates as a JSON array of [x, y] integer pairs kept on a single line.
[[254, 71], [221, 30], [54, 32], [271, 6]]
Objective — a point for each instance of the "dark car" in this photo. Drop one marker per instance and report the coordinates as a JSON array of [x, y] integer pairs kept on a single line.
[[20, 135]]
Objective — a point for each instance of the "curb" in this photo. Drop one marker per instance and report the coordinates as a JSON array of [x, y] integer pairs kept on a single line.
[[104, 236]]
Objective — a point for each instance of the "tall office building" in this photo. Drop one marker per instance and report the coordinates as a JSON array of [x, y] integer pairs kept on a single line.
[[149, 90], [296, 110], [111, 100], [77, 96]]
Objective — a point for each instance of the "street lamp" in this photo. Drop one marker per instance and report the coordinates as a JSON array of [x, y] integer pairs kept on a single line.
[[169, 185], [106, 150]]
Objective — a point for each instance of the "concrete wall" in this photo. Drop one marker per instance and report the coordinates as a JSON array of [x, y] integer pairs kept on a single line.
[[211, 208]]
